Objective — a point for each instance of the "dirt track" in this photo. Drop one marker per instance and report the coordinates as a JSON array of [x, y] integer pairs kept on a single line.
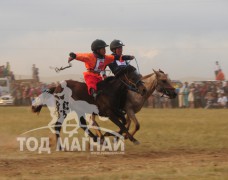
[[61, 165]]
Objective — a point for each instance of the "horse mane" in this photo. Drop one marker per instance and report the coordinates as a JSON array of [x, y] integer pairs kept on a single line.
[[147, 76], [128, 68]]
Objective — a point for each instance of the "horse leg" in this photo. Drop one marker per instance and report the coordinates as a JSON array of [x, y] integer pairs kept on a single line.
[[132, 116], [128, 122], [116, 121], [83, 125], [124, 122], [95, 124], [58, 126]]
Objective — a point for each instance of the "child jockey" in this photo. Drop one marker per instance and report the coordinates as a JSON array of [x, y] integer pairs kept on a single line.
[[116, 47], [95, 64]]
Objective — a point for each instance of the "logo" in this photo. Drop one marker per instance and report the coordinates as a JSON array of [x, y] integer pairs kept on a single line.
[[70, 116]]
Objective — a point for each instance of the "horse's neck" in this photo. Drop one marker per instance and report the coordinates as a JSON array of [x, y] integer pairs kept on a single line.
[[150, 82], [135, 101]]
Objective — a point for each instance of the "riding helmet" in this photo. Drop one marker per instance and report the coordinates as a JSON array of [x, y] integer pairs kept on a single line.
[[98, 44], [116, 44]]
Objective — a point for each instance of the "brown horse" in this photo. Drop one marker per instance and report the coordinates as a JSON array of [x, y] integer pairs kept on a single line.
[[134, 103], [112, 97]]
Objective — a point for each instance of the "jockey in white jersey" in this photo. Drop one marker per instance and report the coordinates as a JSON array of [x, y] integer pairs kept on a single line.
[[116, 66]]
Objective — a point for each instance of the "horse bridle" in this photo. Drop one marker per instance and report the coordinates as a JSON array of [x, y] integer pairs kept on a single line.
[[164, 91], [133, 86], [130, 84]]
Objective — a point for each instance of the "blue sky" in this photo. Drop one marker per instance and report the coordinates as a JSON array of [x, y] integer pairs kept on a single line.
[[182, 37]]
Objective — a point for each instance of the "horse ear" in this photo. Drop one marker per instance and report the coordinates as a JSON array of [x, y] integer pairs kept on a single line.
[[157, 73], [161, 71]]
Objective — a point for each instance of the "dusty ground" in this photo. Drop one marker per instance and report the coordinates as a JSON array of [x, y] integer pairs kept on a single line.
[[151, 165]]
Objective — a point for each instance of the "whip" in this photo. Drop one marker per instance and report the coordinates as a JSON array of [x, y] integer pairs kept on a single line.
[[61, 68]]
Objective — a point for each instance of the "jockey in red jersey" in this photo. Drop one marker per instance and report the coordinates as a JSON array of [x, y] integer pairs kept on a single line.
[[95, 64]]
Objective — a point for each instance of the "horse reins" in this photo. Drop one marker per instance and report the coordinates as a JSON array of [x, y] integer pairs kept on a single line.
[[134, 85]]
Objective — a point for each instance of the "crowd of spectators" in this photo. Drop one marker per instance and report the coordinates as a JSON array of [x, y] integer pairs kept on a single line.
[[25, 93], [210, 94], [201, 94]]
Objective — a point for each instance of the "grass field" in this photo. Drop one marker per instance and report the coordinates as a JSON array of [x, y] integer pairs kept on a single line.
[[175, 144]]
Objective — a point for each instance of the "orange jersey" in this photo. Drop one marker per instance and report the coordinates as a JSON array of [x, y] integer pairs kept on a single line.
[[94, 63]]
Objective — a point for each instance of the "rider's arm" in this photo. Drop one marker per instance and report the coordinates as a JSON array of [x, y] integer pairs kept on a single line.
[[110, 58], [84, 57], [127, 57]]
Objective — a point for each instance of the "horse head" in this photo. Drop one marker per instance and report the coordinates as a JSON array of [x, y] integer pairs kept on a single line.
[[45, 98], [132, 79], [164, 84]]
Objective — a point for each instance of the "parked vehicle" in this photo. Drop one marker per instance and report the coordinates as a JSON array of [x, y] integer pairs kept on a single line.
[[7, 100]]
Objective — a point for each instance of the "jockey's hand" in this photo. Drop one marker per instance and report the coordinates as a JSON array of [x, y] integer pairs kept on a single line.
[[128, 57], [132, 57], [72, 57]]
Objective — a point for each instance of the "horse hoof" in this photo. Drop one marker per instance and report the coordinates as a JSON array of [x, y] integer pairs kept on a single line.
[[136, 142]]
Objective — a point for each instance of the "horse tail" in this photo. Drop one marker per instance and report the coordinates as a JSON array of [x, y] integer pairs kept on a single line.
[[37, 109]]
